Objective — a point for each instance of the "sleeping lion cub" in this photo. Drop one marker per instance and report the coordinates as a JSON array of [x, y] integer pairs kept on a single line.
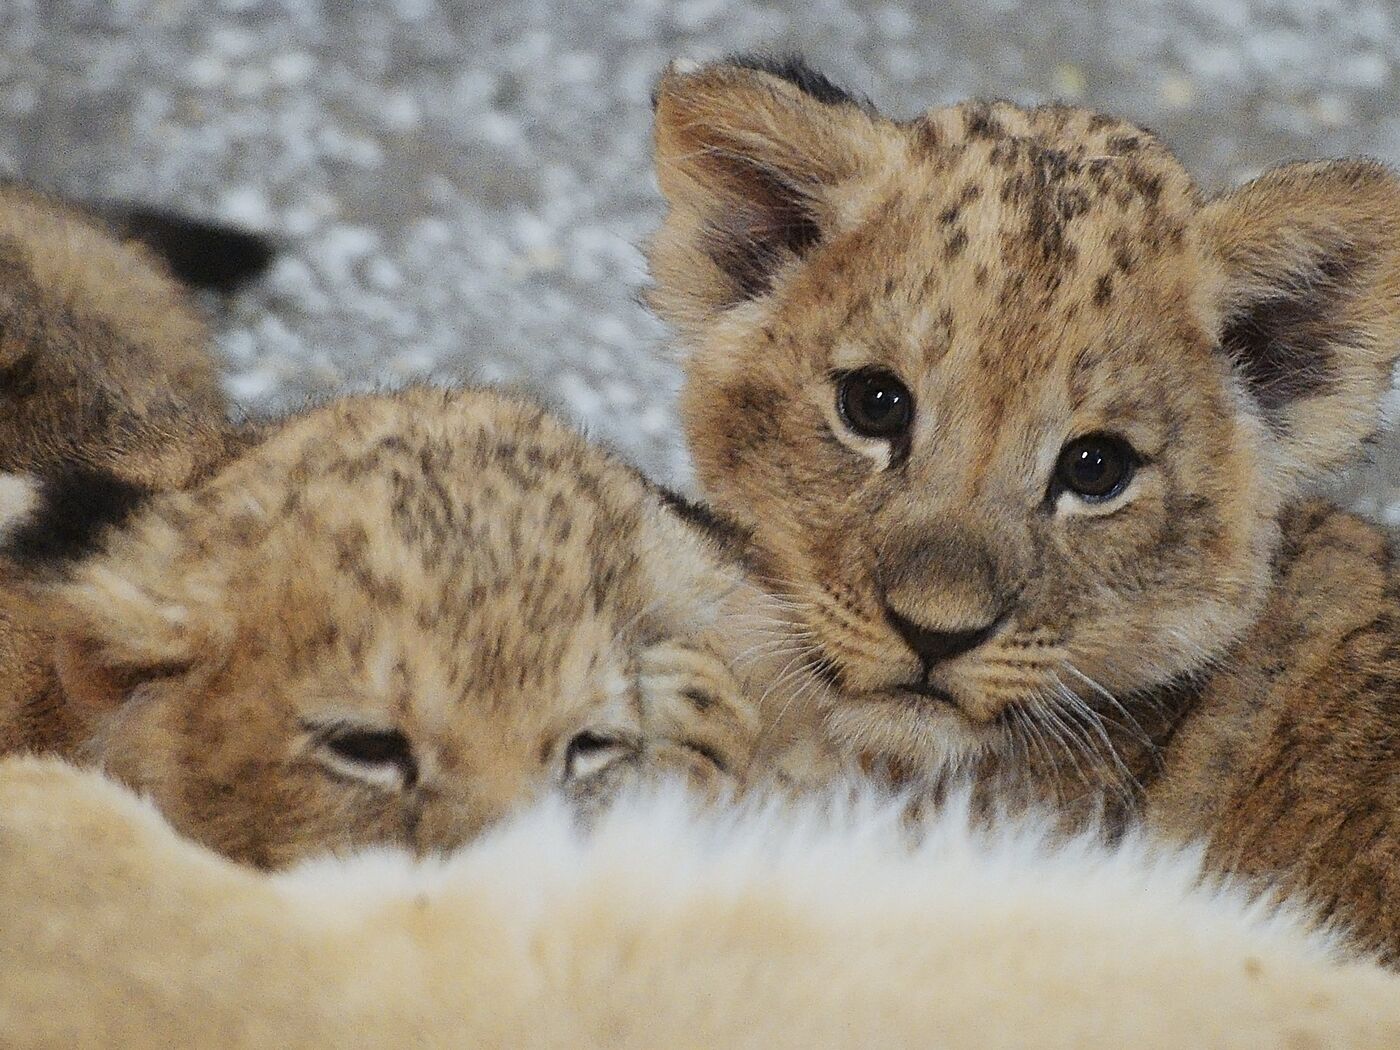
[[1020, 424], [392, 620]]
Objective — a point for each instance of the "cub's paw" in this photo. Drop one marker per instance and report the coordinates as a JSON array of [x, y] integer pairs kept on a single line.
[[697, 718]]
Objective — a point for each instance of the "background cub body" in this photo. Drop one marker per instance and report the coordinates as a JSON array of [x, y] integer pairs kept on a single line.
[[1020, 423], [104, 368]]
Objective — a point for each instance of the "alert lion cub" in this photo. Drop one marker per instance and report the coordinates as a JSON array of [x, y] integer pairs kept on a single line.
[[393, 619], [1020, 423]]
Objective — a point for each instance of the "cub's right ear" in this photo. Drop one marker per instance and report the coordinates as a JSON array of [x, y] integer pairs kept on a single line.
[[108, 582], [50, 521], [751, 154]]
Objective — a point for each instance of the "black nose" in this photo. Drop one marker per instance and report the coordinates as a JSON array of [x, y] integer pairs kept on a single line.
[[934, 646]]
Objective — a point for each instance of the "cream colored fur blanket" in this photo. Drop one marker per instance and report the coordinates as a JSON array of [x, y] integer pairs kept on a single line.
[[665, 927]]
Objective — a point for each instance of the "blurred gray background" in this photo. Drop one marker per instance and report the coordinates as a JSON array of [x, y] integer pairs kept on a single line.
[[463, 185]]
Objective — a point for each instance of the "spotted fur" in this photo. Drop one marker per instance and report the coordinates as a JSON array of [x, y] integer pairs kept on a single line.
[[108, 391], [1201, 647], [395, 619]]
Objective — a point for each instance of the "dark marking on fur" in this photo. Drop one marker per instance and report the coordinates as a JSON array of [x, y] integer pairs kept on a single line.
[[20, 378], [703, 518], [749, 243], [794, 69], [77, 506], [1147, 184], [1103, 290], [200, 254], [1284, 344], [955, 244], [979, 123]]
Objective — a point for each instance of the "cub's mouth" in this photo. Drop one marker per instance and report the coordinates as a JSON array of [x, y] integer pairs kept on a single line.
[[928, 691]]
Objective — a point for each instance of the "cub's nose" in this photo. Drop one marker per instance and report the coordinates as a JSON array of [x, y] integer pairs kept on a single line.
[[933, 646]]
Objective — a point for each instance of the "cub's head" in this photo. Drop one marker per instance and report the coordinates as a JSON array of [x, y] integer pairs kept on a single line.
[[1010, 407], [392, 621]]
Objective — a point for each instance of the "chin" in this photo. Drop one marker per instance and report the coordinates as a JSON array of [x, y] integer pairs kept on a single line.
[[929, 736]]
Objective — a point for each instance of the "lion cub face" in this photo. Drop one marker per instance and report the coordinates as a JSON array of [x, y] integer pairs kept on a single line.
[[391, 622], [1010, 410]]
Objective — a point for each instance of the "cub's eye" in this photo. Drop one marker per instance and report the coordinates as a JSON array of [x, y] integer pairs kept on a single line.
[[1095, 468], [874, 403], [381, 756], [591, 752]]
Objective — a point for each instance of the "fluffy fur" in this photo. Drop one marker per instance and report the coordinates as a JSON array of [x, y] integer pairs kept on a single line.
[[107, 389], [396, 619], [1200, 645], [665, 926], [104, 357]]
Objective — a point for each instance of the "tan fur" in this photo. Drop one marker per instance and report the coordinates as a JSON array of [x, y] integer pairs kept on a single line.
[[1200, 647], [660, 931], [104, 359], [456, 567], [104, 364]]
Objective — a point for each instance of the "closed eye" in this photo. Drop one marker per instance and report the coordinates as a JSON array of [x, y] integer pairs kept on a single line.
[[591, 751], [376, 755]]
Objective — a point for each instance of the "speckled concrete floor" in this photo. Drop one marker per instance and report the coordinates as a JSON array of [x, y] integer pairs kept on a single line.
[[463, 184]]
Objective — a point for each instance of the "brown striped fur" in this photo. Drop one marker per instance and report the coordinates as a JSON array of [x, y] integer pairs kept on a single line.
[[1202, 647], [483, 604]]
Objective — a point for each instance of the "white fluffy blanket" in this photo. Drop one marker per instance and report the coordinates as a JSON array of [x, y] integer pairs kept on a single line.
[[668, 926]]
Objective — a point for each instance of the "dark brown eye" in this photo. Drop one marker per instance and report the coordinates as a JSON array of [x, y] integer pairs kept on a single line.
[[874, 403], [1095, 468]]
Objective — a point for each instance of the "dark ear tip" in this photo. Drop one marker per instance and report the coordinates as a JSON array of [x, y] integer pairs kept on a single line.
[[200, 253], [793, 68], [67, 515]]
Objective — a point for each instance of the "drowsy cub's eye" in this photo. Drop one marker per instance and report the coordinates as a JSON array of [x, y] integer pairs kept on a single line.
[[874, 403], [380, 756], [591, 752], [1095, 468]]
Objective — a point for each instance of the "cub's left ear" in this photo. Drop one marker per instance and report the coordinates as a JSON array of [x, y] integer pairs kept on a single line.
[[1310, 310], [751, 154]]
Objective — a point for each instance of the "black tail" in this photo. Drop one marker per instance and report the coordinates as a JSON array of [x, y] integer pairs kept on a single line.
[[200, 254]]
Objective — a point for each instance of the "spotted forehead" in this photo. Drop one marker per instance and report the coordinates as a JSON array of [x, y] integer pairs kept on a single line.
[[423, 515], [1029, 232], [1047, 188]]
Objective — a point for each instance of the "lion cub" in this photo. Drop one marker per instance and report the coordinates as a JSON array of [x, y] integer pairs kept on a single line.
[[1020, 424], [104, 356], [392, 620], [104, 368]]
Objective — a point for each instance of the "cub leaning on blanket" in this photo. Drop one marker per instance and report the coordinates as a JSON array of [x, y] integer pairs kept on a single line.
[[1019, 422], [663, 927], [395, 619]]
